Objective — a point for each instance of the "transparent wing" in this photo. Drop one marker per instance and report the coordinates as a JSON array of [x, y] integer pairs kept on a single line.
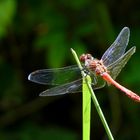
[[72, 87], [55, 76], [100, 83], [97, 80], [65, 79], [117, 49], [116, 67]]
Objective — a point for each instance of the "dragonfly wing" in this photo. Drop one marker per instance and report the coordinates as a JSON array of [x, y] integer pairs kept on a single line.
[[116, 67], [55, 76], [100, 83], [73, 87], [117, 49], [97, 81]]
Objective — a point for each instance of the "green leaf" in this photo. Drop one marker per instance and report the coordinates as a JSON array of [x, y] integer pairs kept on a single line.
[[77, 4], [7, 11]]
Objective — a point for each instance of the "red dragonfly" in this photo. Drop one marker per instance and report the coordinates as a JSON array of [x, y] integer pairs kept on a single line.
[[68, 79]]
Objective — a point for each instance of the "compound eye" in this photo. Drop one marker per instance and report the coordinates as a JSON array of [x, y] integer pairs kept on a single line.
[[83, 57], [89, 56]]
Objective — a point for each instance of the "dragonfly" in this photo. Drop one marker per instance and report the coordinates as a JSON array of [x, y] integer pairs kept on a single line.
[[68, 79]]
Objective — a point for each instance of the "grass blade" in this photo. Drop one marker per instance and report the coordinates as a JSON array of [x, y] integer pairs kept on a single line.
[[86, 109], [87, 81]]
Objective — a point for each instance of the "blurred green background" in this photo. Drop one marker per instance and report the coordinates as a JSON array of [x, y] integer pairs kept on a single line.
[[39, 34]]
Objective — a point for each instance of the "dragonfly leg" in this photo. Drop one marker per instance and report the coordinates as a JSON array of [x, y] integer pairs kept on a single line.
[[94, 80], [84, 69]]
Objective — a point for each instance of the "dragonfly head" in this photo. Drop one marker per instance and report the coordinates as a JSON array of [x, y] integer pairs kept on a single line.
[[85, 57]]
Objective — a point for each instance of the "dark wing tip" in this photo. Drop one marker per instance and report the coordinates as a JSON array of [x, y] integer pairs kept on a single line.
[[34, 77], [42, 94], [134, 47], [29, 77], [126, 28]]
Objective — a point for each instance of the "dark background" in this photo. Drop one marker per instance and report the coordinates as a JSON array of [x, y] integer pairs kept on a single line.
[[39, 34]]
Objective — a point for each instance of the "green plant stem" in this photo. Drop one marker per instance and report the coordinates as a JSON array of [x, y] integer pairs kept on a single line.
[[86, 109], [95, 101]]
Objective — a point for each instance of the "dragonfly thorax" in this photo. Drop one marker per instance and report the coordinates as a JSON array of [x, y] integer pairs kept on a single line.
[[96, 66]]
